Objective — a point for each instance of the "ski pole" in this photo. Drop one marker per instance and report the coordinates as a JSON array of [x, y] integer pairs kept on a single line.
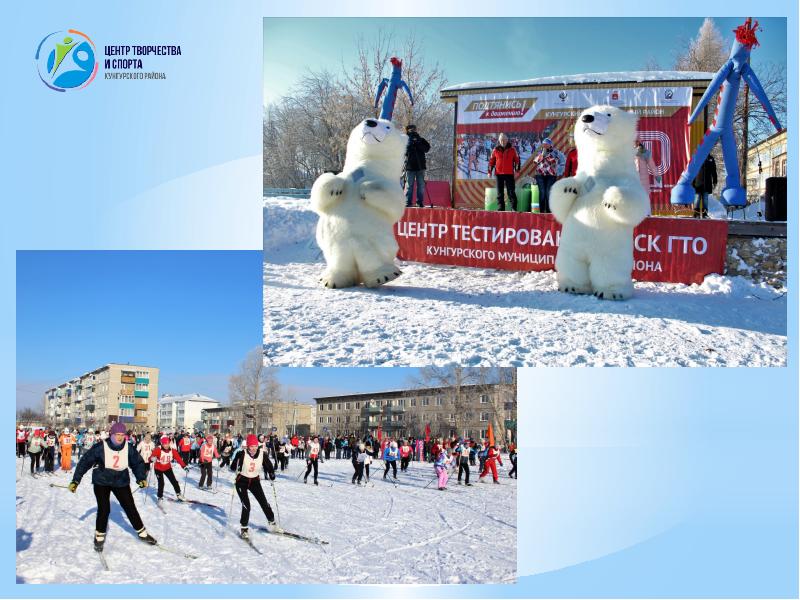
[[58, 485], [216, 479], [22, 468], [275, 495], [233, 491], [185, 477], [148, 485]]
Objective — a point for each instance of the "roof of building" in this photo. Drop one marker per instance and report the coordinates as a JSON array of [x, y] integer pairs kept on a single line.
[[168, 399], [403, 392], [588, 78]]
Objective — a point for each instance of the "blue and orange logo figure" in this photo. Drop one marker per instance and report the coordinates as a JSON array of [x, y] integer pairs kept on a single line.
[[66, 60]]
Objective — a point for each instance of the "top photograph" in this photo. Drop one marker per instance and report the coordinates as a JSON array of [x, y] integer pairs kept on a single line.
[[534, 192]]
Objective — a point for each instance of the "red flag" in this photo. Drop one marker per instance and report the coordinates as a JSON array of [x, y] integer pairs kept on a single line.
[[379, 433], [490, 435], [427, 432]]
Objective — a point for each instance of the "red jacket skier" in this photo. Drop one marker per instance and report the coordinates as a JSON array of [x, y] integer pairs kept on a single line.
[[163, 457], [492, 457], [208, 452]]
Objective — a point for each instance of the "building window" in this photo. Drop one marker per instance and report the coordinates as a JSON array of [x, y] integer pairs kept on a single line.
[[439, 401], [330, 419], [347, 419], [413, 402], [358, 405], [425, 401], [330, 407], [452, 416], [322, 419], [347, 406], [484, 416], [484, 398]]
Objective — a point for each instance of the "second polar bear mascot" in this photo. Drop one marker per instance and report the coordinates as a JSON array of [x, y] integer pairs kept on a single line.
[[358, 208], [599, 207]]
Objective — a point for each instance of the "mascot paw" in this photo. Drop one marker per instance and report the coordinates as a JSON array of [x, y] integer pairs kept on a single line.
[[571, 288], [333, 187], [370, 188], [337, 279], [381, 276], [612, 198], [567, 187], [614, 292]]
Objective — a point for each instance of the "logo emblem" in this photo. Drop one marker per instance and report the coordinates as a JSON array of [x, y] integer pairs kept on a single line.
[[562, 96], [668, 94], [66, 60]]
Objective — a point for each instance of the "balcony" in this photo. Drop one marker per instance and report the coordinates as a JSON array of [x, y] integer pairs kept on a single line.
[[126, 405], [396, 409], [90, 407], [138, 406], [140, 419], [372, 410], [143, 380], [141, 394]]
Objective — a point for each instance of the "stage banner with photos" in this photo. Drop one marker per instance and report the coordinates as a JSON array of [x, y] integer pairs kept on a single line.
[[665, 249], [528, 117]]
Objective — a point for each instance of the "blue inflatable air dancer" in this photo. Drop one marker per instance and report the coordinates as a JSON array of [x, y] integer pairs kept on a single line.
[[727, 80], [393, 84]]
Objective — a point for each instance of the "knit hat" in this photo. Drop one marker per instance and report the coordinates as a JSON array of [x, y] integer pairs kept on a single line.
[[209, 437], [252, 440], [164, 441], [547, 141], [117, 428]]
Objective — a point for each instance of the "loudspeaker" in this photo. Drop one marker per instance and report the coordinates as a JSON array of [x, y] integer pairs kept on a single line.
[[775, 199]]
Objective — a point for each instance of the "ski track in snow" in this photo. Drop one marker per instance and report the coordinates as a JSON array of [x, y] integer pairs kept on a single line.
[[480, 317], [377, 533]]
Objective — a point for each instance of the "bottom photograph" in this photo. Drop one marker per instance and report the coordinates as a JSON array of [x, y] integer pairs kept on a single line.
[[159, 449]]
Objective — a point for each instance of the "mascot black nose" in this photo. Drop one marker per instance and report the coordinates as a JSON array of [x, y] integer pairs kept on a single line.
[[371, 123], [587, 118]]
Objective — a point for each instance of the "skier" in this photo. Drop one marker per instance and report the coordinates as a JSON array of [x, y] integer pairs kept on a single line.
[[145, 450], [185, 445], [440, 465], [462, 458], [281, 453], [89, 440], [405, 455], [492, 457], [512, 456], [312, 460], [35, 450], [207, 453], [225, 450], [367, 452], [49, 451], [22, 438], [390, 455], [248, 465], [111, 461], [65, 442], [163, 457], [358, 464]]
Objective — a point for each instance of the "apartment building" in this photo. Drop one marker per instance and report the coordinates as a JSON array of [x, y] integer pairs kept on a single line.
[[283, 418], [113, 393], [182, 412], [449, 411]]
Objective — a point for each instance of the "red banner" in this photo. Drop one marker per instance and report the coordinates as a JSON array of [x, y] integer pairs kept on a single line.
[[665, 249]]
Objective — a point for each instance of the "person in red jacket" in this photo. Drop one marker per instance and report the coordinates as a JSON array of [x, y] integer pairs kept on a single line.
[[208, 452], [22, 440], [492, 457], [185, 446], [505, 162], [571, 166], [163, 457], [405, 455]]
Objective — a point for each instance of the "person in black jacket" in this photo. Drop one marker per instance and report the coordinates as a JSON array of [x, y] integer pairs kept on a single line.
[[248, 465], [703, 185], [416, 149], [110, 462]]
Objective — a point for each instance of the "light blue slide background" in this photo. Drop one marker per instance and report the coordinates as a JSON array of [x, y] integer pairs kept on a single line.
[[635, 483]]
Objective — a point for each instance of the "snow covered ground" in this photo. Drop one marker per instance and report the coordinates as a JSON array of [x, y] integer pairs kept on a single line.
[[443, 315], [380, 533]]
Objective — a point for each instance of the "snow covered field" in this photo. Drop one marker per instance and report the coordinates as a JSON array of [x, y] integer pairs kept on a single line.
[[480, 317], [377, 534]]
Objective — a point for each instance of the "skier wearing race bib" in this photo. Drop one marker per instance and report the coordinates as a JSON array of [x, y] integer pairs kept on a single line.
[[89, 440], [162, 457], [440, 465], [405, 455], [111, 461], [462, 456], [22, 438], [248, 465], [390, 455], [65, 441], [49, 451], [492, 458], [359, 459], [208, 452], [145, 450], [313, 459], [35, 450]]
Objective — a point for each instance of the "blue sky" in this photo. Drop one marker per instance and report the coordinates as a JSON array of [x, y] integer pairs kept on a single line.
[[497, 49], [195, 315]]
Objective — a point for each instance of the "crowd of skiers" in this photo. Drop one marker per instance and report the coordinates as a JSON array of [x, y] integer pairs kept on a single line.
[[111, 454]]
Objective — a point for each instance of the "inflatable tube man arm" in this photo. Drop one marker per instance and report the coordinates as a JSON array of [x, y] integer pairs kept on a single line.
[[712, 89], [381, 89], [404, 86], [755, 86]]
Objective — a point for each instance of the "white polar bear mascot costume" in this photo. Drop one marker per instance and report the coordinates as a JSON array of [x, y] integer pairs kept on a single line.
[[599, 207], [358, 208]]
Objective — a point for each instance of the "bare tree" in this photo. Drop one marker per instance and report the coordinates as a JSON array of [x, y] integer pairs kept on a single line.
[[255, 387], [30, 415], [305, 132]]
